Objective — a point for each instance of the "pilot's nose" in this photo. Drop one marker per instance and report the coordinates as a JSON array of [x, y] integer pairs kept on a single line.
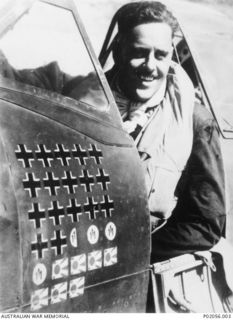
[[151, 62]]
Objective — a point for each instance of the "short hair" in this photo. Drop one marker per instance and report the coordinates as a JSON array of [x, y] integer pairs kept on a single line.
[[136, 13]]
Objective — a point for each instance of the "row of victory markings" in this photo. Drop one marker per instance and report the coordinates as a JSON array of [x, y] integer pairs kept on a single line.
[[68, 180], [58, 242], [56, 213], [47, 155]]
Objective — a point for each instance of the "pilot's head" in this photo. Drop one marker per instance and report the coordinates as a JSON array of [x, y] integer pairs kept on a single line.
[[143, 49]]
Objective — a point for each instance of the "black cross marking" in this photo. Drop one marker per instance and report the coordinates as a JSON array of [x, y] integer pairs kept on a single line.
[[80, 154], [69, 182], [39, 246], [56, 212], [36, 214], [51, 183], [58, 242], [86, 180], [32, 184], [44, 155], [95, 153], [24, 155], [74, 210], [103, 179], [107, 205], [62, 154], [90, 208]]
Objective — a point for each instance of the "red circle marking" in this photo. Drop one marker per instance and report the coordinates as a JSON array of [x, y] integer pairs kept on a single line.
[[75, 265], [35, 300], [73, 288], [92, 260], [57, 269], [55, 294]]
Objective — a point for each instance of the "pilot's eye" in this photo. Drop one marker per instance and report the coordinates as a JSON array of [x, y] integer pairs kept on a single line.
[[160, 55], [137, 53]]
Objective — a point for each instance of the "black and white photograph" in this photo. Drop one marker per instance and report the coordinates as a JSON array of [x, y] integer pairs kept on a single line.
[[116, 158]]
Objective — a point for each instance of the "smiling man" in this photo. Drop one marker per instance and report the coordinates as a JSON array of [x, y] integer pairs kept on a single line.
[[178, 144], [146, 56]]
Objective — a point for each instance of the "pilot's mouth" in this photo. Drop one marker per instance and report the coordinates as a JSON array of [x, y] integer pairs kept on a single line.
[[146, 78]]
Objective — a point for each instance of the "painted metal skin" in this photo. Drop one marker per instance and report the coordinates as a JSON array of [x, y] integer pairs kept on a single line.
[[71, 241]]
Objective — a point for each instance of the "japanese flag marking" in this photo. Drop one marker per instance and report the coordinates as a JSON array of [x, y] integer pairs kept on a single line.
[[78, 264], [39, 299], [95, 260], [60, 268], [110, 256], [76, 287], [59, 292]]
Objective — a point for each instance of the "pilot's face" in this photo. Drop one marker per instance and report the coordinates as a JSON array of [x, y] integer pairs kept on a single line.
[[145, 60]]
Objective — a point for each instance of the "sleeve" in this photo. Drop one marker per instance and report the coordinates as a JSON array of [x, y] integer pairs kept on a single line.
[[49, 76], [198, 221]]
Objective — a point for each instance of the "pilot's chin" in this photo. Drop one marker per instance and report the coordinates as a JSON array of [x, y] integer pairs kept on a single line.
[[143, 95]]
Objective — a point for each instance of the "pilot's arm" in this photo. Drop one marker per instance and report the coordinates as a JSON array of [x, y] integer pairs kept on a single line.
[[198, 221], [49, 76]]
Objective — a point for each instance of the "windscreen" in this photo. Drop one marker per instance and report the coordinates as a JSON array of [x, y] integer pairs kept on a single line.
[[44, 49]]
